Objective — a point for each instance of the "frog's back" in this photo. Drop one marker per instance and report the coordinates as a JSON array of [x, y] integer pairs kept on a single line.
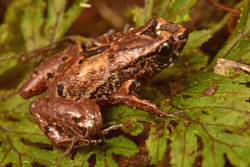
[[102, 70], [98, 69]]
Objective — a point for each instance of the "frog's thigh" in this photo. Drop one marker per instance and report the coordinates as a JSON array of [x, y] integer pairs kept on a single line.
[[38, 109], [124, 96], [38, 80], [65, 121]]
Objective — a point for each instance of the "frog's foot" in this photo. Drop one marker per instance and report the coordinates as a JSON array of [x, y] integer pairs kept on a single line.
[[110, 129], [124, 96]]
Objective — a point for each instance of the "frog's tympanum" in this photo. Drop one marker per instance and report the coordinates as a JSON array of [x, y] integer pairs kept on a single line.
[[80, 82]]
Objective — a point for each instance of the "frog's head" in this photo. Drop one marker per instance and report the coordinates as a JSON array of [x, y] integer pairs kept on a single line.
[[170, 37], [167, 40], [175, 35]]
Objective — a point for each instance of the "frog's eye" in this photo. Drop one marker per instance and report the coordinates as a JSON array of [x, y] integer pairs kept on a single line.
[[166, 48], [182, 36]]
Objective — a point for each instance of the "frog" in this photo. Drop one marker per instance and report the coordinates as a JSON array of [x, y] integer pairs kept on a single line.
[[80, 82]]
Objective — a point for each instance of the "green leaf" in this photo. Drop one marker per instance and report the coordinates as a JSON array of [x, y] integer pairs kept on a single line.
[[157, 143], [238, 44], [121, 145], [124, 114], [60, 20], [163, 7], [116, 145], [31, 24], [215, 126], [39, 30], [27, 20], [197, 38], [27, 27], [179, 11], [7, 63], [149, 8], [134, 128], [141, 15], [138, 16], [174, 11], [184, 145]]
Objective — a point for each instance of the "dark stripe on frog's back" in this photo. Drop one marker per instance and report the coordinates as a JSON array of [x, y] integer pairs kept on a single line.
[[124, 41], [99, 50], [93, 52]]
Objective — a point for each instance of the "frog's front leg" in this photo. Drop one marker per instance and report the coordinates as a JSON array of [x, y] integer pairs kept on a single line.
[[66, 121], [42, 74], [125, 96]]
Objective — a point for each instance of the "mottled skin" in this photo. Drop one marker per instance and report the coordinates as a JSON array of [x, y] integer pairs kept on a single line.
[[79, 82]]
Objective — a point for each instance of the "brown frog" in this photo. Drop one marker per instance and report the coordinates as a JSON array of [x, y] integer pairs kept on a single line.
[[79, 82]]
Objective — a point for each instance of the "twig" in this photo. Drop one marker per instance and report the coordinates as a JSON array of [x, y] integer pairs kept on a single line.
[[108, 14], [9, 57], [224, 7], [85, 5], [3, 98], [67, 152], [218, 26], [223, 66]]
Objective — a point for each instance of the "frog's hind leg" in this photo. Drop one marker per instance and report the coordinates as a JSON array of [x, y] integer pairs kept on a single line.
[[124, 96], [65, 120], [39, 109], [42, 74]]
